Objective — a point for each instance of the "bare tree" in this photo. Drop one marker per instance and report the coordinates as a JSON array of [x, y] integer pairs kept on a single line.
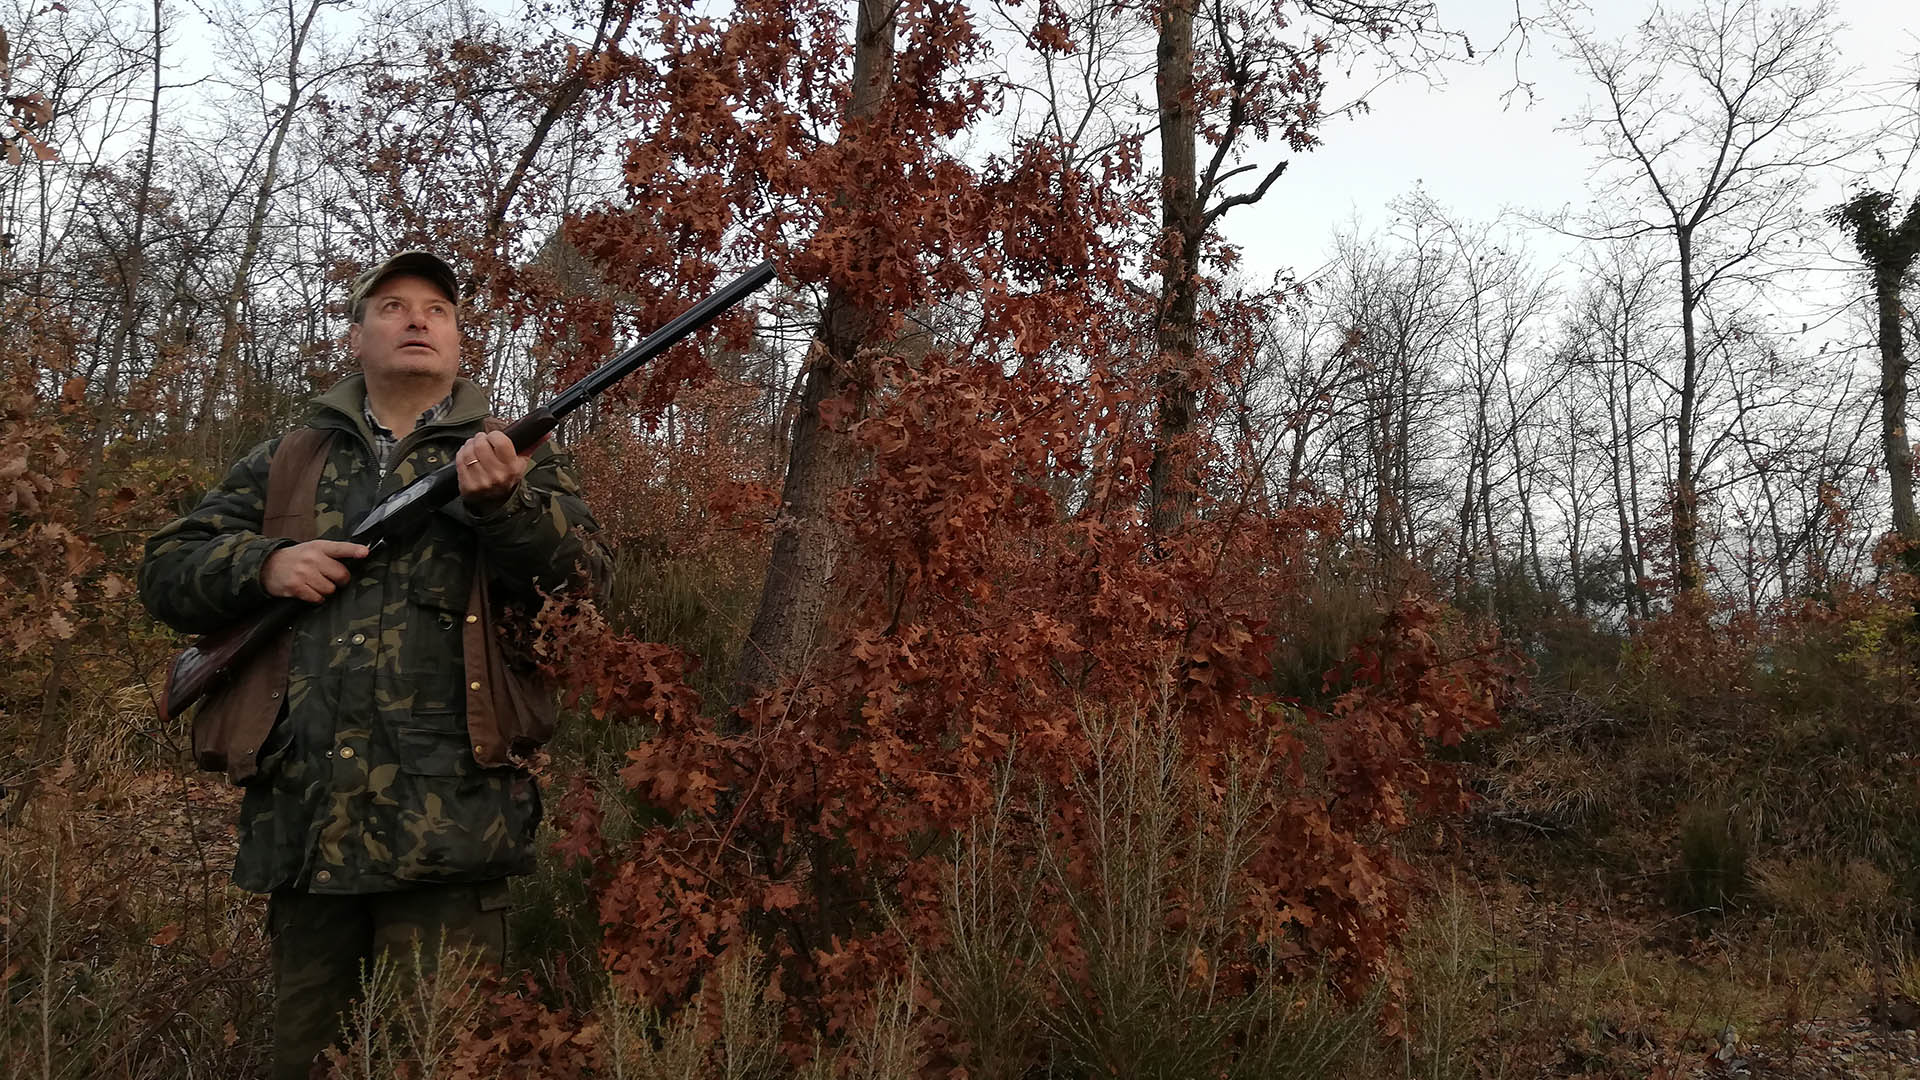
[[1713, 118], [86, 80], [299, 26], [1612, 335], [1576, 459], [1398, 301], [1313, 374], [1503, 302]]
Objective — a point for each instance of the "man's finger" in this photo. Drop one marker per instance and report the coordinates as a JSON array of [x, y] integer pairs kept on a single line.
[[340, 549], [502, 445], [335, 572], [489, 449]]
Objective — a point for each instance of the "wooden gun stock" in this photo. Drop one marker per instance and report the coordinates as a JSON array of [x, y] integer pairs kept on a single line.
[[198, 667]]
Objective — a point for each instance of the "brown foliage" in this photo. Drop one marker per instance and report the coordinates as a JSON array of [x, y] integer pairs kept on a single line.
[[993, 622], [999, 581], [75, 511]]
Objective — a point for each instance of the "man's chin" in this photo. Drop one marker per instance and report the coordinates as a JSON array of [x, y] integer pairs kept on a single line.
[[415, 368]]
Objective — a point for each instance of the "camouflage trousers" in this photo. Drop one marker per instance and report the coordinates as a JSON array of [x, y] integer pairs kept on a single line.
[[324, 943]]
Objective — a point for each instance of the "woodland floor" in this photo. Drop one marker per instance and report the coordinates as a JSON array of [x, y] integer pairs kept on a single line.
[[1521, 971], [1528, 960]]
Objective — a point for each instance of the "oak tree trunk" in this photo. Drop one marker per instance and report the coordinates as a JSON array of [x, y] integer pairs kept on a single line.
[[1171, 478], [795, 598]]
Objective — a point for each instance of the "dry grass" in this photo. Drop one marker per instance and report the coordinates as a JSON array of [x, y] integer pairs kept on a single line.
[[412, 1017], [124, 952], [1665, 862], [1144, 908], [732, 1030], [1508, 983]]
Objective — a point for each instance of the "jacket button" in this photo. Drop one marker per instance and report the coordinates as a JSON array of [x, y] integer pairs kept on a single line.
[[479, 750], [346, 751], [473, 686], [321, 877], [359, 639], [473, 618]]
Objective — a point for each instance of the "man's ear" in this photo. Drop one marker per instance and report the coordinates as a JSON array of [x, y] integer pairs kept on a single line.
[[353, 339]]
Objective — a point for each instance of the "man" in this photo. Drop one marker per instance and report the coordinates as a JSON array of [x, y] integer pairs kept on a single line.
[[385, 806]]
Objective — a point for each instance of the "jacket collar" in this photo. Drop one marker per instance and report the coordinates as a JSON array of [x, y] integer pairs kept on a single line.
[[340, 407]]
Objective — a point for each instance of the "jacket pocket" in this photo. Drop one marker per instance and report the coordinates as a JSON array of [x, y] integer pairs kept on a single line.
[[456, 821], [433, 752], [433, 658]]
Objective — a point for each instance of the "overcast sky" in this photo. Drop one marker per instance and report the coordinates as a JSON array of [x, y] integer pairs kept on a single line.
[[1480, 155], [1480, 147]]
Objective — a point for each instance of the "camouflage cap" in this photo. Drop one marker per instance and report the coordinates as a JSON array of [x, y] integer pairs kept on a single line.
[[417, 262]]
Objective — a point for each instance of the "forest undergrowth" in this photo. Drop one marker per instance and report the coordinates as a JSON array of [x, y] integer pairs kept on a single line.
[[1684, 847]]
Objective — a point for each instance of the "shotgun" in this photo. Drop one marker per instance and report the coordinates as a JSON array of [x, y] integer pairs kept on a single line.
[[400, 516]]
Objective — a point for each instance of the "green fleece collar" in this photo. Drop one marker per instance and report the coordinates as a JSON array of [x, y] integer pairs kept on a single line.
[[343, 401]]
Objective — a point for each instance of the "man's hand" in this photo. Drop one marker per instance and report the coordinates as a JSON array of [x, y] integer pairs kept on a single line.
[[489, 469], [310, 571]]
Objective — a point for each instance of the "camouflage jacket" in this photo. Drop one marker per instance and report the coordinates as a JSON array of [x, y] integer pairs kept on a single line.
[[367, 782]]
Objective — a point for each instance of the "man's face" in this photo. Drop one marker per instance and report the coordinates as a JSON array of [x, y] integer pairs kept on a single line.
[[407, 329]]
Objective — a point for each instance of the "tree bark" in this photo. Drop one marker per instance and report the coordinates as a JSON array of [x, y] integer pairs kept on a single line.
[[1576, 518], [1893, 389], [1889, 251], [1626, 480], [1464, 567], [795, 597], [1686, 501], [1633, 501], [1171, 478], [1496, 573]]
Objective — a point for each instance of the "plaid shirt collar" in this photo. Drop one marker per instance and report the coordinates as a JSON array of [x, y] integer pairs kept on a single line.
[[384, 440]]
